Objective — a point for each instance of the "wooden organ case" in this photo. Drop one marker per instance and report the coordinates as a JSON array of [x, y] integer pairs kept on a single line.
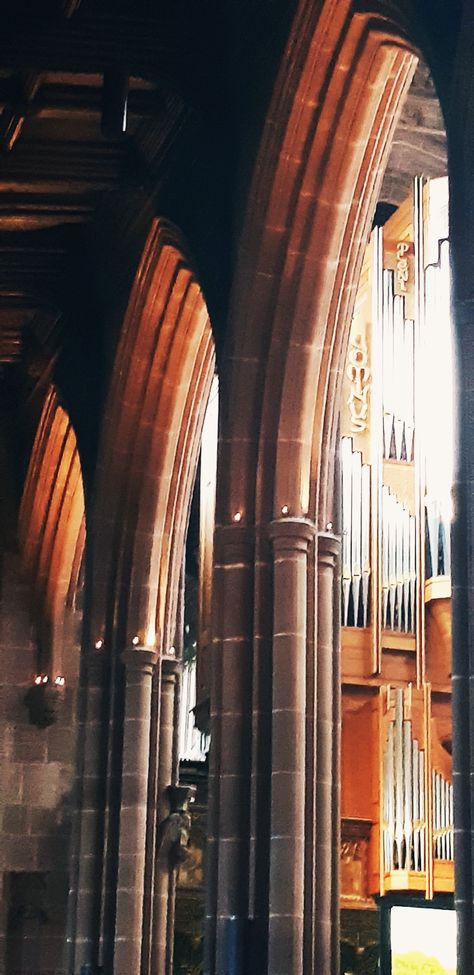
[[397, 798]]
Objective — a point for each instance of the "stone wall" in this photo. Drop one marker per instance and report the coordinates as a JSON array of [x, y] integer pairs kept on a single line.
[[36, 774]]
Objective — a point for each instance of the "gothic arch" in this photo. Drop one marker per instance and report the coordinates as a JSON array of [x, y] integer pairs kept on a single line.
[[52, 529], [150, 441], [342, 84], [339, 94], [147, 462]]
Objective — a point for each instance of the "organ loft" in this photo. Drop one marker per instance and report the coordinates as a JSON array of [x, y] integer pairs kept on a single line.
[[236, 496]]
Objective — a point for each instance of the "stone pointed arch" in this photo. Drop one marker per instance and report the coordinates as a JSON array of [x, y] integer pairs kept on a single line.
[[339, 93], [52, 530], [148, 455], [150, 441], [325, 144]]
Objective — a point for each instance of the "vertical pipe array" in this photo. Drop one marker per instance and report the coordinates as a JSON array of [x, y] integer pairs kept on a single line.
[[376, 445], [393, 348], [397, 375], [437, 500], [442, 815], [399, 780], [398, 565], [355, 536], [419, 457], [403, 801]]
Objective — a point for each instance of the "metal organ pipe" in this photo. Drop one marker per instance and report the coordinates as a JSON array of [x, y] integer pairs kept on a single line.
[[387, 360], [437, 500], [365, 542], [443, 846], [397, 375], [398, 781], [356, 525]]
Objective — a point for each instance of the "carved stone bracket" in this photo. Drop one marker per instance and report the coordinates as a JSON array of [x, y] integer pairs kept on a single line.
[[355, 837], [174, 831]]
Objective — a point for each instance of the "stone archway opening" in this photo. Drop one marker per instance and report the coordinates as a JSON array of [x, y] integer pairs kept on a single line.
[[397, 825], [194, 720], [311, 207]]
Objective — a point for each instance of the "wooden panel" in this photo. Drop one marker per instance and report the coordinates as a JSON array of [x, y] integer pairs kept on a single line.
[[398, 666], [356, 648], [358, 761], [405, 880], [443, 876], [355, 836], [438, 640]]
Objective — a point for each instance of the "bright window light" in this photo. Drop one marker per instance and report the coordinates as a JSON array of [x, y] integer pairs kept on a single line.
[[423, 940]]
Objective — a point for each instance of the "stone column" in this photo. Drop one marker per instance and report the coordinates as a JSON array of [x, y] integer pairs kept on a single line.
[[327, 763], [229, 774], [463, 657], [291, 539], [461, 231], [87, 872], [163, 894], [139, 666]]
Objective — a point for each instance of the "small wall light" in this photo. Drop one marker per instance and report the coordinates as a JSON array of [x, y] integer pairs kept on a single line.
[[43, 700]]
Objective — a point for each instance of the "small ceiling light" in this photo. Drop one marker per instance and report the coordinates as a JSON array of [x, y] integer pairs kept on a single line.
[[238, 516], [44, 679], [99, 644], [114, 103], [60, 681], [38, 679], [172, 651], [285, 509], [136, 641], [329, 526]]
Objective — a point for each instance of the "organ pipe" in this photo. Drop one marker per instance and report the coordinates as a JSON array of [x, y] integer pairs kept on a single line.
[[355, 536]]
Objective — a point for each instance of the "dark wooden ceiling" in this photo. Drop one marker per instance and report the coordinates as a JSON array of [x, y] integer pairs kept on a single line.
[[77, 194], [78, 189]]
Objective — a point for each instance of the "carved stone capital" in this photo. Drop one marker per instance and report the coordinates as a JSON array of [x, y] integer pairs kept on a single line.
[[170, 664], [140, 659], [291, 534], [329, 546]]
